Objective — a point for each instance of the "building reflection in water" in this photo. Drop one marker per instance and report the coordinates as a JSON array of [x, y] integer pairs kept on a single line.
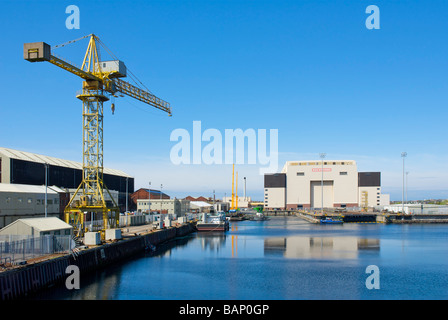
[[301, 247], [215, 241], [319, 247], [212, 241]]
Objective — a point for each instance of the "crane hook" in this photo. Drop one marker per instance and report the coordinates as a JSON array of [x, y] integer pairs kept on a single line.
[[113, 107]]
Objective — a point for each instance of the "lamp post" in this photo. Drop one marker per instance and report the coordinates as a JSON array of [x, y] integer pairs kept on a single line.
[[245, 189], [407, 172], [322, 156], [127, 194], [403, 155], [46, 188], [161, 186]]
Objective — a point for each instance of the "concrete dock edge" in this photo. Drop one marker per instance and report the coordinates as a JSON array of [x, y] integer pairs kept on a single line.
[[28, 279]]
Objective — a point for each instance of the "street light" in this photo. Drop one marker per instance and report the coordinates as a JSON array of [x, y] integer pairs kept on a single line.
[[407, 172], [403, 155], [245, 189], [322, 156], [161, 186], [127, 193], [46, 188]]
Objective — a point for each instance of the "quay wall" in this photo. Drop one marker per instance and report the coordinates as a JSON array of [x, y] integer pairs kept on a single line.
[[28, 279], [278, 212], [414, 218]]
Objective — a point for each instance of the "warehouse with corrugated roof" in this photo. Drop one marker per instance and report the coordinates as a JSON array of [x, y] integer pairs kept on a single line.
[[26, 168]]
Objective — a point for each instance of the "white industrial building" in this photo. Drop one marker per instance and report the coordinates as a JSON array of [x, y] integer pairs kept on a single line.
[[243, 202], [221, 206], [200, 206], [327, 183], [178, 207], [38, 227], [24, 201]]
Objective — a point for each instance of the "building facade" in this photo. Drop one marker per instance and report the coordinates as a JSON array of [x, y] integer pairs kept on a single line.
[[144, 193], [38, 227], [369, 186], [317, 184], [26, 168], [18, 201], [275, 191], [242, 202]]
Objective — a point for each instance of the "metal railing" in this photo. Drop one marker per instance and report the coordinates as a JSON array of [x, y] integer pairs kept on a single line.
[[418, 209], [14, 249]]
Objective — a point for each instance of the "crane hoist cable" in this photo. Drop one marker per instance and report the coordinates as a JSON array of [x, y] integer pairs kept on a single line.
[[132, 75], [69, 42]]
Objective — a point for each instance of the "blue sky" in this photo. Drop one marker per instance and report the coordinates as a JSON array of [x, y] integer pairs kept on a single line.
[[310, 69]]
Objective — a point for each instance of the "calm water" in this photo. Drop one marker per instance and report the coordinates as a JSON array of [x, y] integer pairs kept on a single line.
[[281, 259]]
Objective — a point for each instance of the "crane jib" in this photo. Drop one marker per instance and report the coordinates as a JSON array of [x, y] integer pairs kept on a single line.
[[142, 95], [41, 51]]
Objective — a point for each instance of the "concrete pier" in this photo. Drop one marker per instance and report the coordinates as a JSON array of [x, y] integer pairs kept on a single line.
[[374, 217], [308, 217], [313, 217], [412, 218]]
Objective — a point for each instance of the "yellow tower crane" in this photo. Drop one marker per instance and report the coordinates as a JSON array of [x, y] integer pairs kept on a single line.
[[234, 204], [236, 195], [232, 207], [101, 80]]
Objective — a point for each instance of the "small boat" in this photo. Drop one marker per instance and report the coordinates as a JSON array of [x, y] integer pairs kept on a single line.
[[259, 216], [330, 221], [217, 222], [235, 215]]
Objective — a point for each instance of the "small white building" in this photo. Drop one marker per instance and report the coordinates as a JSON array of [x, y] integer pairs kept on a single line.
[[175, 206], [23, 201], [37, 227], [144, 205], [243, 202], [222, 206], [200, 206]]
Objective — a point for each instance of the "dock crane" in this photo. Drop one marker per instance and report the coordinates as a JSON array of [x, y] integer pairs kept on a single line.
[[234, 203], [101, 79]]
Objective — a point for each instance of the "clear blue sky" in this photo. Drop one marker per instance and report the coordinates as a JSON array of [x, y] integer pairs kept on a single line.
[[310, 69]]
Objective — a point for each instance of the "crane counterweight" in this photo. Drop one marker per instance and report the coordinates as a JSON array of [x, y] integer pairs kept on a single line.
[[36, 51]]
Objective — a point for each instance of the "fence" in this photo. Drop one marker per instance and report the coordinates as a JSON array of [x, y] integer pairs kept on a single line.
[[418, 209], [319, 209], [14, 249], [130, 220]]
